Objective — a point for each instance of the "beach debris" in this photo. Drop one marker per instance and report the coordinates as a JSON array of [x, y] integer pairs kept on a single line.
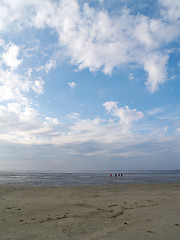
[[117, 214], [113, 205], [125, 223], [53, 219]]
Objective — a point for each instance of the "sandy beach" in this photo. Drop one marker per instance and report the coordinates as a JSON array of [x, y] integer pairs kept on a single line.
[[127, 211]]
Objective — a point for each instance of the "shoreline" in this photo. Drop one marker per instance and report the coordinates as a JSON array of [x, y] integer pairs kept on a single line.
[[130, 211], [99, 185]]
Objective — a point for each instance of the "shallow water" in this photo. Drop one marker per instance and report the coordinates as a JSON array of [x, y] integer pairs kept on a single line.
[[77, 179]]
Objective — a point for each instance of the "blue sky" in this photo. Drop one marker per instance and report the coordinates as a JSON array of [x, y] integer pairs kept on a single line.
[[89, 85]]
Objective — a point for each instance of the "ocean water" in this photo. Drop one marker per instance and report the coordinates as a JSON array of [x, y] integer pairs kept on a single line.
[[77, 179]]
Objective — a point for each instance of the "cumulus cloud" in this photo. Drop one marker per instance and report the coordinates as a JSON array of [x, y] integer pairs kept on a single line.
[[94, 39], [10, 56], [24, 125], [171, 9], [111, 106], [126, 115], [51, 121], [14, 116], [38, 85], [16, 13], [51, 64], [72, 84], [13, 85], [156, 67]]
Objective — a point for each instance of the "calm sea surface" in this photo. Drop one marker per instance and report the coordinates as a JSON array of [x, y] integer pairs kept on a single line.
[[77, 179]]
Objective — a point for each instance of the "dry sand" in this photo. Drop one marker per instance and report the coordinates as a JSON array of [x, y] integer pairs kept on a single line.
[[136, 211]]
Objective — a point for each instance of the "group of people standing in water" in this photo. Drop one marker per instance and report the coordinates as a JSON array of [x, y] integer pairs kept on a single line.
[[116, 175]]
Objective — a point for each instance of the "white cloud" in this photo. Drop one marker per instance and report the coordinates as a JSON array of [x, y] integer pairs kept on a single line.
[[74, 116], [13, 86], [14, 116], [51, 64], [155, 66], [10, 56], [51, 121], [126, 115], [110, 106], [23, 124], [28, 115], [155, 111], [172, 9], [72, 84], [97, 138], [93, 39], [15, 14], [38, 85], [48, 66]]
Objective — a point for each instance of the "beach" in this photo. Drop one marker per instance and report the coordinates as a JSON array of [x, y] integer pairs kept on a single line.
[[123, 211]]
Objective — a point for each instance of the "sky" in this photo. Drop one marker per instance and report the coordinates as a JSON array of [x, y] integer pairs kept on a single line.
[[89, 85]]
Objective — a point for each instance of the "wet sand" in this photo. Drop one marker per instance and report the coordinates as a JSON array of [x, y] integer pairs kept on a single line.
[[127, 211]]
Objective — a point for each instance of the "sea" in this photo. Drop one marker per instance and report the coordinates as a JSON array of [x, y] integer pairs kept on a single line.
[[41, 178]]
